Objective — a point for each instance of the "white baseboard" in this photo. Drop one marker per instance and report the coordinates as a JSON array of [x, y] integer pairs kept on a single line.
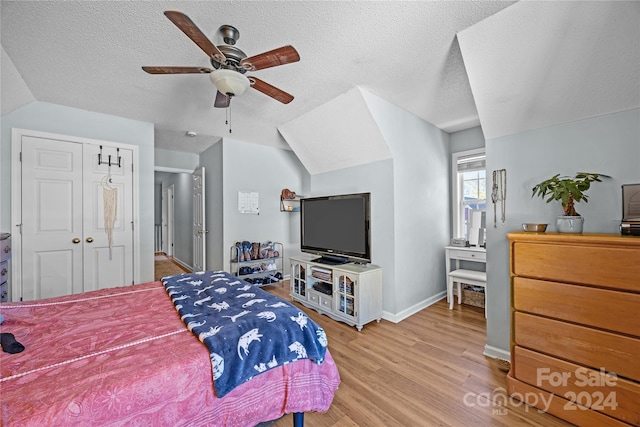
[[185, 265], [496, 353], [395, 318]]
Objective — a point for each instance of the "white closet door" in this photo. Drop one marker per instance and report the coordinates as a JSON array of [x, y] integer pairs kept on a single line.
[[64, 246], [51, 218], [105, 267]]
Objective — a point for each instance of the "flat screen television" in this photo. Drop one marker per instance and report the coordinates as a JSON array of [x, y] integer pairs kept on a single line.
[[337, 228]]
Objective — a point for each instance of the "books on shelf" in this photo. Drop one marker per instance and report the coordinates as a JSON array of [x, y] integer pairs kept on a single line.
[[321, 273]]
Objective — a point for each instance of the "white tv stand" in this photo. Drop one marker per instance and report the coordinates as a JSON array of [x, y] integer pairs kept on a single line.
[[350, 293]]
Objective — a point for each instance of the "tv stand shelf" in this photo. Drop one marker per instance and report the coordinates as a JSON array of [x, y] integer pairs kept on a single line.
[[350, 293]]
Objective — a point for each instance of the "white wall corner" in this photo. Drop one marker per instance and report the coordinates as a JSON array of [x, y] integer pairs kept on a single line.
[[496, 353], [410, 311]]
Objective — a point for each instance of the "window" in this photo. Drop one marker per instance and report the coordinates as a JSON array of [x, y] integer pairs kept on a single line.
[[469, 186]]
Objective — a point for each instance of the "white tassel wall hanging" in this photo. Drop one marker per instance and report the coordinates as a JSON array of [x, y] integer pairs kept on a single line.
[[110, 201]]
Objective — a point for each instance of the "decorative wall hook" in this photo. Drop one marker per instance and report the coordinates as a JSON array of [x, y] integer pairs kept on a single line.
[[499, 194], [108, 162]]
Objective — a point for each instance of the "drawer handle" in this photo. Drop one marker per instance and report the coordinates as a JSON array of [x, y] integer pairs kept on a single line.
[[3, 272], [7, 249]]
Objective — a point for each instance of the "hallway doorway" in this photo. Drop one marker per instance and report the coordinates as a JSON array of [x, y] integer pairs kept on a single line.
[[165, 265]]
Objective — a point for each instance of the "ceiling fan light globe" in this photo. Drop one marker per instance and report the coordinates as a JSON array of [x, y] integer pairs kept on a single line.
[[229, 82]]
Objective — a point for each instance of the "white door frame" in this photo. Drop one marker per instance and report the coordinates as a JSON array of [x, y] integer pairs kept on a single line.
[[167, 221], [199, 220], [16, 200], [164, 224], [170, 221]]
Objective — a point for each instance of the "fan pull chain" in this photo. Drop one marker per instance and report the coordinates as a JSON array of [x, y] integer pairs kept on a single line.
[[228, 118]]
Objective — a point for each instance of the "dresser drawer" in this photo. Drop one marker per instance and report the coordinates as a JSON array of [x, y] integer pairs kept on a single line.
[[4, 271], [5, 249], [467, 255], [608, 394], [582, 345], [4, 292], [600, 308], [320, 299], [607, 266]]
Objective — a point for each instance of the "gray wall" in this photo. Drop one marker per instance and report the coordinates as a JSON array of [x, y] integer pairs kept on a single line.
[[607, 144], [167, 160], [157, 202], [233, 166], [377, 179], [45, 117], [410, 207], [467, 139], [176, 168], [211, 159], [182, 214]]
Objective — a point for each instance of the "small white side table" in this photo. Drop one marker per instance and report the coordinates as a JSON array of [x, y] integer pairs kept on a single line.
[[457, 254]]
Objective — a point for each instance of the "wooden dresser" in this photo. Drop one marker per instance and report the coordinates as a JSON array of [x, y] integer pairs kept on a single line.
[[575, 326]]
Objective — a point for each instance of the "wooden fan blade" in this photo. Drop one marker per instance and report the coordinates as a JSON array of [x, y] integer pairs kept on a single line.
[[222, 100], [272, 91], [187, 26], [280, 56], [177, 70]]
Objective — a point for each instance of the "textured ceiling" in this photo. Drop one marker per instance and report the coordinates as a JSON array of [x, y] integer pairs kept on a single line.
[[88, 55], [553, 63]]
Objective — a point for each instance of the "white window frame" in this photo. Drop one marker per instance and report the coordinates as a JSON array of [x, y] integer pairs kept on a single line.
[[456, 187]]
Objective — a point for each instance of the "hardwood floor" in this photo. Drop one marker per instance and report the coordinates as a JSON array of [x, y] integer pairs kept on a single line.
[[427, 370], [165, 266]]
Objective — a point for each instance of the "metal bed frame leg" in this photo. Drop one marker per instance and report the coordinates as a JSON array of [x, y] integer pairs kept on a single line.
[[298, 419]]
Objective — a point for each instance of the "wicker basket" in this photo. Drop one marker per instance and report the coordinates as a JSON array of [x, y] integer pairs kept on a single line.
[[471, 297], [503, 365]]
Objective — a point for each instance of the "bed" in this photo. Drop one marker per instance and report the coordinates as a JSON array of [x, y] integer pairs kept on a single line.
[[125, 356]]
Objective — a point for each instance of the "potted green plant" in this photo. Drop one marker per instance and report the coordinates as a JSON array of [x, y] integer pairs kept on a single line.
[[568, 191]]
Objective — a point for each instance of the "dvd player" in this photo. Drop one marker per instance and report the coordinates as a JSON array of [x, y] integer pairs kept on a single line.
[[325, 288]]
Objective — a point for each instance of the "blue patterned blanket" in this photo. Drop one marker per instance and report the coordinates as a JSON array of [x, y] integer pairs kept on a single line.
[[246, 329]]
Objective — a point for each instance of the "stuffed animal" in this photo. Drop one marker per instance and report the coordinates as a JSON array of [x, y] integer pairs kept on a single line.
[[287, 194]]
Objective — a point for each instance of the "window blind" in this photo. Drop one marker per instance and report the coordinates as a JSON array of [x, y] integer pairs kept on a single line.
[[471, 163]]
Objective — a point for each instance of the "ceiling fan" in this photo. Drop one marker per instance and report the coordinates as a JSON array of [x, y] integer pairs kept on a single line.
[[229, 63]]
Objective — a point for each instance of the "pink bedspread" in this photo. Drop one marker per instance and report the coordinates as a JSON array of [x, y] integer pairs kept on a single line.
[[88, 361]]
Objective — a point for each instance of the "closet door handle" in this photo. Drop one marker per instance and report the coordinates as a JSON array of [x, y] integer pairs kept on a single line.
[[89, 239], [76, 240]]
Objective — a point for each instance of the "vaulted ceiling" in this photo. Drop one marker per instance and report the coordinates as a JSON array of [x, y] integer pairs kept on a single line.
[[456, 64]]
